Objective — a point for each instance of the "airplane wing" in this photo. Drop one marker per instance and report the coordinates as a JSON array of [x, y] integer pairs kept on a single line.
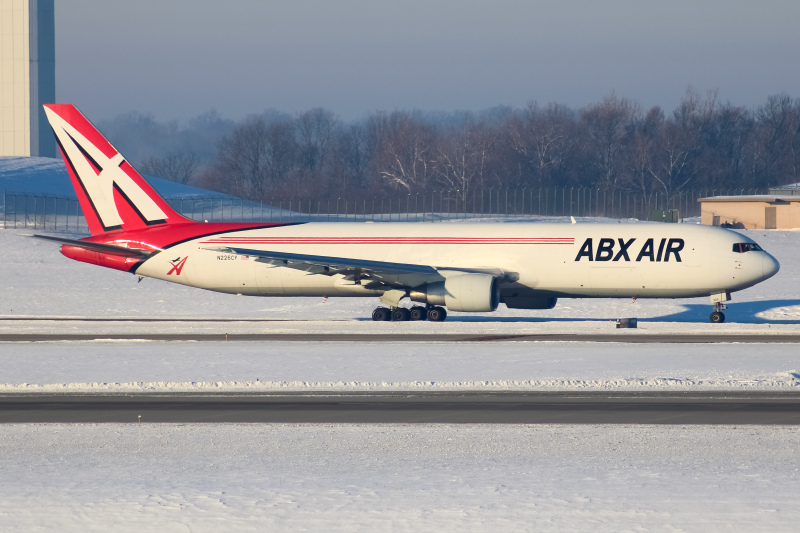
[[379, 274], [99, 247], [382, 274]]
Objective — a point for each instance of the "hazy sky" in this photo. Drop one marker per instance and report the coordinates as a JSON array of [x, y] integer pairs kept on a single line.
[[180, 58]]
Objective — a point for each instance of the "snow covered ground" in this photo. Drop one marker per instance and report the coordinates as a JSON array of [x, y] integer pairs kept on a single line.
[[343, 477], [104, 367], [113, 477]]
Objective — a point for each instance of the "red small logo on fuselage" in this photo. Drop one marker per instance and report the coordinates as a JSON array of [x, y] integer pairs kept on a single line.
[[177, 266]]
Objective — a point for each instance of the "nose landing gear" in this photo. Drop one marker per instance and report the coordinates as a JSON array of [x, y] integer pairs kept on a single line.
[[718, 317]]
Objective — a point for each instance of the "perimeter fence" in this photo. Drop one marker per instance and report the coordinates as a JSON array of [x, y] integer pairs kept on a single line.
[[21, 210]]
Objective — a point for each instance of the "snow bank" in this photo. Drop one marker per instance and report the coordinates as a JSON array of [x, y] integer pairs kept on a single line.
[[789, 380]]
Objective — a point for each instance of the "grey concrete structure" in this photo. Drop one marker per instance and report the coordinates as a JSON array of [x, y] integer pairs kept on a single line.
[[27, 77]]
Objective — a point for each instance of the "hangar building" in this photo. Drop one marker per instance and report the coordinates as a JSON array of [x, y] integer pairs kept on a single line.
[[778, 210]]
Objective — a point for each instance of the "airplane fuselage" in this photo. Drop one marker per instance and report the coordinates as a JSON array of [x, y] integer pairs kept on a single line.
[[538, 259]]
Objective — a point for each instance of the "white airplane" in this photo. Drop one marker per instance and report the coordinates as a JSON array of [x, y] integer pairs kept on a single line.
[[440, 267]]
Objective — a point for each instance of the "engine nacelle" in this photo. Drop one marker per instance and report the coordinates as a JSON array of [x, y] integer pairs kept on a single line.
[[528, 300], [465, 292]]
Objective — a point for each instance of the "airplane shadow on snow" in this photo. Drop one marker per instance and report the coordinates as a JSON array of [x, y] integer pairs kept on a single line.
[[739, 313], [742, 312]]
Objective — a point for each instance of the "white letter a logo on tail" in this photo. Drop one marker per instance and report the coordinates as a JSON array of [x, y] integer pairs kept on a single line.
[[118, 196]]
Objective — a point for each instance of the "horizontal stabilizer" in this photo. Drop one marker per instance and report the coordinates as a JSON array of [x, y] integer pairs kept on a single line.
[[99, 247]]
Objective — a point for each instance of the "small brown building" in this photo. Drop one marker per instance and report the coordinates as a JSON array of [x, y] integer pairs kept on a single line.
[[752, 212]]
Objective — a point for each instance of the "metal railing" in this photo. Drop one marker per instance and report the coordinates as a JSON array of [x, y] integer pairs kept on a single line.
[[21, 210]]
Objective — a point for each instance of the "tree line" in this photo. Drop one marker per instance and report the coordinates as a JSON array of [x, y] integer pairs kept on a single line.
[[612, 144]]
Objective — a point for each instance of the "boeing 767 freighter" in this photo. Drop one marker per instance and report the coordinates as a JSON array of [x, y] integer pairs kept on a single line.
[[439, 267]]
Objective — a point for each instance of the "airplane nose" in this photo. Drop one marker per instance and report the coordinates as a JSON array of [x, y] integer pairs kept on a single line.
[[770, 266]]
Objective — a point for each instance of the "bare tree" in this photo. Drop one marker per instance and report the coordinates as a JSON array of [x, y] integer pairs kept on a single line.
[[727, 147], [675, 164], [403, 150], [609, 144], [777, 152], [179, 167], [317, 130], [608, 128], [463, 155], [256, 156], [543, 139], [352, 157], [644, 146]]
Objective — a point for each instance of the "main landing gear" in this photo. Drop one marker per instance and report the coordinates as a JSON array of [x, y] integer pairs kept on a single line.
[[401, 314]]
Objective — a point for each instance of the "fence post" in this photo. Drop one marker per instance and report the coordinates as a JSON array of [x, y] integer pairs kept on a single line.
[[546, 201], [611, 209]]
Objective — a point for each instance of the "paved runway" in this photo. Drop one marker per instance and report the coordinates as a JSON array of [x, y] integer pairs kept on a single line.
[[626, 337], [403, 407]]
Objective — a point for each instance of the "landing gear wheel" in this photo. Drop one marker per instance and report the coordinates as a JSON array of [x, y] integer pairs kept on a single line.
[[418, 313], [381, 314], [400, 314], [717, 317], [437, 314]]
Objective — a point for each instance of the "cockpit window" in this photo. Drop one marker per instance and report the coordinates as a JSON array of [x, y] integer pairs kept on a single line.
[[742, 247]]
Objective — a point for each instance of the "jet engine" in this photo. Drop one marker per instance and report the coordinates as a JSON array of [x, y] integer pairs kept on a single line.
[[463, 292]]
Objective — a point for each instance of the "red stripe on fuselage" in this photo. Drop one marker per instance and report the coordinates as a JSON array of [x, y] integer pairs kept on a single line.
[[383, 240]]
